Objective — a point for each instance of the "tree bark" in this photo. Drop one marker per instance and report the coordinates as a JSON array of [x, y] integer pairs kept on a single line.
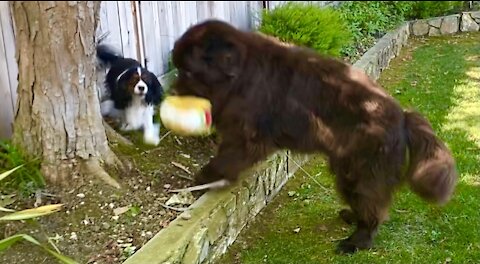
[[58, 112]]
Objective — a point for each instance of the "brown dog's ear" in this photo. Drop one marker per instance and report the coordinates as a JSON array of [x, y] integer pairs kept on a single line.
[[225, 55]]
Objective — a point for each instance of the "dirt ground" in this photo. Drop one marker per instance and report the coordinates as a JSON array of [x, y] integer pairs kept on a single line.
[[101, 224]]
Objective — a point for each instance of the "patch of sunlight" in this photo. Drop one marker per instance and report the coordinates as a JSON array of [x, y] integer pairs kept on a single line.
[[473, 58], [465, 115], [470, 179]]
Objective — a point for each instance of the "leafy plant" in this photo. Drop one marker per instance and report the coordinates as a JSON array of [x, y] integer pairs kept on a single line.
[[369, 20], [9, 241], [307, 25], [426, 9], [29, 214], [28, 178]]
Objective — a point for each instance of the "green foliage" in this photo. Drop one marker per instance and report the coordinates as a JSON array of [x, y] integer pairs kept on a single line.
[[369, 20], [426, 9], [307, 25], [25, 179], [9, 241]]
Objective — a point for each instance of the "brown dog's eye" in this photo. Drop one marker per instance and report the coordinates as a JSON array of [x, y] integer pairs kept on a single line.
[[186, 74]]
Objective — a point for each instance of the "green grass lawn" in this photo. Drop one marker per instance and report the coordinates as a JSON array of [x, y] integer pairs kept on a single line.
[[440, 77]]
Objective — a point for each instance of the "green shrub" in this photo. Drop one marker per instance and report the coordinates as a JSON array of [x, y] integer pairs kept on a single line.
[[369, 20], [26, 179], [307, 25], [426, 9]]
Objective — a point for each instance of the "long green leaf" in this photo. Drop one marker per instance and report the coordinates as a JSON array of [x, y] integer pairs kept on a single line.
[[64, 259], [3, 209], [9, 241], [5, 174], [31, 213]]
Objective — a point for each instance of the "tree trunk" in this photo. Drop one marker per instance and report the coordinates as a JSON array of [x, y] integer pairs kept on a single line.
[[58, 111]]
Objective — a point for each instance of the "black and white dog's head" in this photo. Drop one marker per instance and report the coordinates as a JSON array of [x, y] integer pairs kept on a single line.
[[127, 80]]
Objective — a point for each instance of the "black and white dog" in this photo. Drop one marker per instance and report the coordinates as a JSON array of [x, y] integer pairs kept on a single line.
[[134, 93]]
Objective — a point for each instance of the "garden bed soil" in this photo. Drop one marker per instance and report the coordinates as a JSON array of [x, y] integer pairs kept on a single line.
[[101, 224]]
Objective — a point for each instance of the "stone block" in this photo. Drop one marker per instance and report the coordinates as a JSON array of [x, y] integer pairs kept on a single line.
[[216, 224], [475, 15], [257, 199], [468, 24], [450, 25], [238, 220], [198, 248], [435, 22], [230, 206], [434, 31], [420, 28]]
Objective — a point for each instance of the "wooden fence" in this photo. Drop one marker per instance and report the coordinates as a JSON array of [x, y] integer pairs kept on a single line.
[[144, 30]]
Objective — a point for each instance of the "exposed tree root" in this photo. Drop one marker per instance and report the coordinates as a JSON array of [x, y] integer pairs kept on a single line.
[[114, 136], [92, 166]]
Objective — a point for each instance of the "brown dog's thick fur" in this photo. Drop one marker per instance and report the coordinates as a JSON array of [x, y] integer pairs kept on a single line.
[[267, 96]]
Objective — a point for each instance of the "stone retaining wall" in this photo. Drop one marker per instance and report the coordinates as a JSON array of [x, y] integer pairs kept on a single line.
[[464, 22], [213, 222], [377, 58]]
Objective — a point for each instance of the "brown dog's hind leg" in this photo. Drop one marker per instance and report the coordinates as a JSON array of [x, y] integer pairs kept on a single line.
[[369, 203]]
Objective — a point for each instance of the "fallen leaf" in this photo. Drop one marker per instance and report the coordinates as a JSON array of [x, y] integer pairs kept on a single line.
[[323, 228], [182, 198], [120, 210]]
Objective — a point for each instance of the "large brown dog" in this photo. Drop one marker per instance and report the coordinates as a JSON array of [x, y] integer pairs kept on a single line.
[[268, 96]]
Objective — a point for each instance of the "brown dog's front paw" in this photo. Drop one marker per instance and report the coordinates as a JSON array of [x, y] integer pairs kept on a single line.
[[360, 240], [207, 175], [346, 246]]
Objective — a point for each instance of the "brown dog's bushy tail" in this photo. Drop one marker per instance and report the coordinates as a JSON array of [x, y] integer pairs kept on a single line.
[[431, 173]]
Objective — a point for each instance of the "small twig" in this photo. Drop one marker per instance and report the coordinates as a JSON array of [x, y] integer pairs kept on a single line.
[[308, 174], [215, 184], [164, 136], [174, 208], [180, 166], [178, 141], [338, 239], [49, 194], [38, 198]]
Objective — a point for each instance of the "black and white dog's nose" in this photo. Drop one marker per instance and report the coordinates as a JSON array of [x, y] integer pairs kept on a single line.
[[141, 88]]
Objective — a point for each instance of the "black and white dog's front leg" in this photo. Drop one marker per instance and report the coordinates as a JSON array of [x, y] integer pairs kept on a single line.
[[151, 131]]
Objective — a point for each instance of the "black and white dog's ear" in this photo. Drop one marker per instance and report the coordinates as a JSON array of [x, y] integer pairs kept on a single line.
[[155, 90]]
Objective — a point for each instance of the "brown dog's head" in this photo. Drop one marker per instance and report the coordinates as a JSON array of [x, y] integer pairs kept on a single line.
[[208, 56]]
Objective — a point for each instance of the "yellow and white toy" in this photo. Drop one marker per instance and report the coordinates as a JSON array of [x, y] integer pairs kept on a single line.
[[187, 115]]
